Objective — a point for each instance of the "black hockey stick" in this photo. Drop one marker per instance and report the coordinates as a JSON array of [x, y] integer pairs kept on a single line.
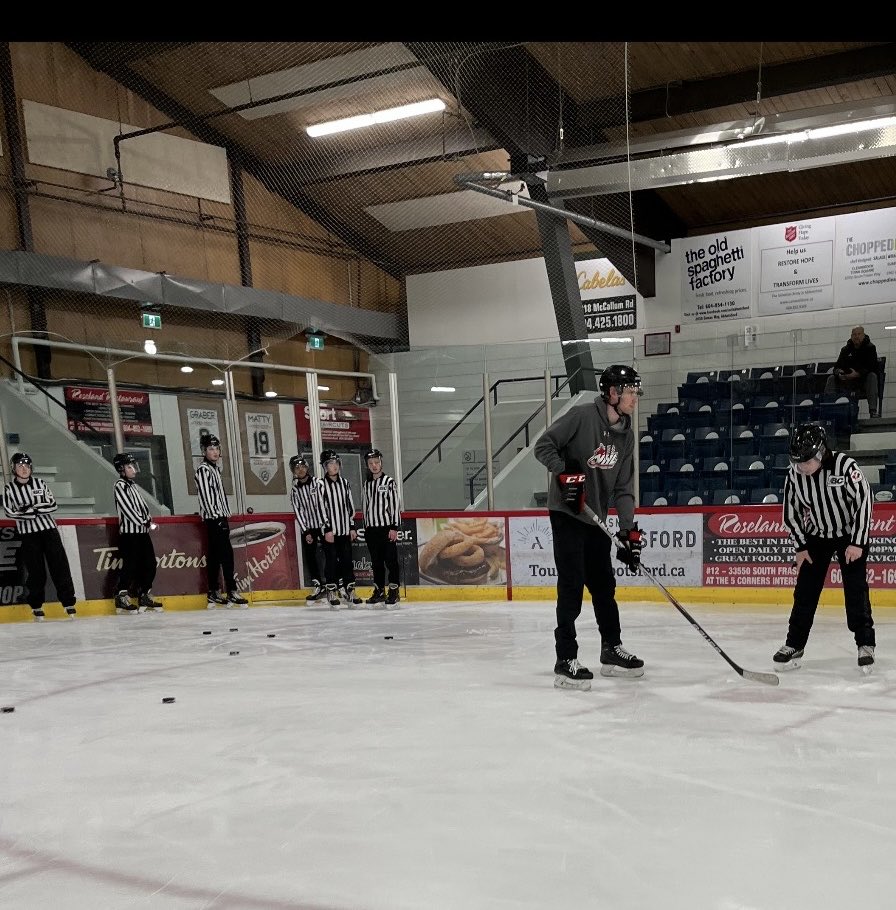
[[770, 679]]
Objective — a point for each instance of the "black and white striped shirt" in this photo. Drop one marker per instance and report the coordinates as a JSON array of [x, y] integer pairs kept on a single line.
[[308, 503], [339, 507], [210, 487], [133, 512], [381, 506], [833, 502], [35, 496]]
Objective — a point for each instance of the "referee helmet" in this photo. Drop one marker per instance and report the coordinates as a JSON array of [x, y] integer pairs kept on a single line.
[[807, 442]]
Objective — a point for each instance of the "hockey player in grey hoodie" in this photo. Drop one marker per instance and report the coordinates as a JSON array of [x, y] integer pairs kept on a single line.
[[590, 454]]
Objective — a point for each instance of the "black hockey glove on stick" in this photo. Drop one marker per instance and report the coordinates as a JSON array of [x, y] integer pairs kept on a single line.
[[629, 545], [770, 679]]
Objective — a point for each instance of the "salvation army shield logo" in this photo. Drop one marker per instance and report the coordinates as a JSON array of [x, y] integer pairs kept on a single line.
[[790, 233]]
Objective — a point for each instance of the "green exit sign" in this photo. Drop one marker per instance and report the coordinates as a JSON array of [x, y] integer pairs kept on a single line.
[[154, 321], [315, 342]]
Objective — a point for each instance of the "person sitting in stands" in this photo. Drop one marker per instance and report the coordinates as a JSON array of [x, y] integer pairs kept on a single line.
[[856, 369]]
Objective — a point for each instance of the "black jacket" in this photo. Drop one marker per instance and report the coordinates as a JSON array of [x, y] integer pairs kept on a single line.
[[862, 357]]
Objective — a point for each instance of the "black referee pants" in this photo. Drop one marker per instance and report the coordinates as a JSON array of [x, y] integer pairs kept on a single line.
[[339, 565], [810, 582], [138, 563], [41, 549], [219, 559], [383, 556], [312, 561], [582, 557]]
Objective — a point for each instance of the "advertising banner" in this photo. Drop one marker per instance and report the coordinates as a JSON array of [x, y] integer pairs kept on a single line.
[[796, 264], [716, 280], [13, 577], [93, 405], [407, 556], [865, 258], [339, 427], [461, 551], [608, 299], [262, 464], [672, 550]]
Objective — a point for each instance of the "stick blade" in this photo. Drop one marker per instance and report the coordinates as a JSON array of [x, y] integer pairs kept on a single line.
[[770, 679]]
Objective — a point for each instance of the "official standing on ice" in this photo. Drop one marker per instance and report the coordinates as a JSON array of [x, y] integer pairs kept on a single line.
[[382, 519], [827, 509], [589, 451], [307, 498], [138, 555], [215, 510], [339, 531], [30, 501]]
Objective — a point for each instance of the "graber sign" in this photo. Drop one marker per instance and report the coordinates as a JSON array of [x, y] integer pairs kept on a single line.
[[347, 426]]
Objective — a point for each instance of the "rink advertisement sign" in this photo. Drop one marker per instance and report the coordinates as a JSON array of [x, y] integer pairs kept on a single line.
[[407, 556], [672, 550], [751, 547], [716, 280], [93, 405], [343, 426]]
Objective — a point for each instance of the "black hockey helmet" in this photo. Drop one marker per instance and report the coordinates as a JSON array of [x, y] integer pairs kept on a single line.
[[121, 460], [21, 458], [329, 455], [372, 453], [620, 377], [297, 460], [808, 441], [208, 439]]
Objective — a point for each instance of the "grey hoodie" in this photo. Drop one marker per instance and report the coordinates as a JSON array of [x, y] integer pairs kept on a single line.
[[583, 440]]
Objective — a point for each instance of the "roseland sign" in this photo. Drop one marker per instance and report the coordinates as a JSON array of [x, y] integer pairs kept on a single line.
[[92, 405]]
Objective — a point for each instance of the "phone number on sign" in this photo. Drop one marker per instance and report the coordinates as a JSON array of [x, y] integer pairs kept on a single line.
[[610, 321], [874, 576]]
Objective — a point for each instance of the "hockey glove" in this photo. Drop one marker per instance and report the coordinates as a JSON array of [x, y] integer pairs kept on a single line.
[[572, 490], [629, 546]]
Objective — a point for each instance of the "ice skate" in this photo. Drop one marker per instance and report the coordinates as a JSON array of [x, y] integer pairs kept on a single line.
[[616, 661], [146, 602], [215, 599], [235, 601], [378, 596], [333, 597], [392, 598], [866, 659], [123, 604], [70, 612], [350, 597], [318, 593], [570, 674], [38, 615], [787, 658]]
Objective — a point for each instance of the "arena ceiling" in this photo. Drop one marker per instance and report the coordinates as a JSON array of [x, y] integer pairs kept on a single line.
[[562, 125]]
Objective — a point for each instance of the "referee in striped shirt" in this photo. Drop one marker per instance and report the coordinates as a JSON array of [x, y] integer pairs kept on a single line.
[[827, 509], [338, 530], [30, 501], [215, 510], [308, 506], [382, 519]]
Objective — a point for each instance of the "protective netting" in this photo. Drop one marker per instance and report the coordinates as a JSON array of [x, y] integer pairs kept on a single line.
[[177, 178]]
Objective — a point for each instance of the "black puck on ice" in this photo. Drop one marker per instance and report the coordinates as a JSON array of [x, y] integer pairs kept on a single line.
[[271, 635], [388, 637], [7, 709], [207, 633], [234, 630], [168, 701], [234, 652]]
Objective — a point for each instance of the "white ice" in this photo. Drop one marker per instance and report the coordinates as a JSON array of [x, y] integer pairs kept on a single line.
[[329, 767]]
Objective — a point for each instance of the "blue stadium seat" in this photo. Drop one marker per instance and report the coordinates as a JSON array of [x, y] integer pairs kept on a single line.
[[766, 409], [715, 473], [708, 442], [775, 439], [673, 443], [762, 495], [728, 496], [691, 498], [750, 471], [655, 498]]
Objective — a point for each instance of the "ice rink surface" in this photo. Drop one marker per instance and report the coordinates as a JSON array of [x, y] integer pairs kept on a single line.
[[332, 767]]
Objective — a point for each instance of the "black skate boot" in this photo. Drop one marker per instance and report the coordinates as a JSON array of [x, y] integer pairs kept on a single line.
[[70, 612], [392, 597], [123, 604], [616, 661], [235, 601], [318, 592], [570, 674], [787, 658], [866, 658], [378, 597], [149, 605], [351, 598], [215, 599], [38, 615], [333, 597]]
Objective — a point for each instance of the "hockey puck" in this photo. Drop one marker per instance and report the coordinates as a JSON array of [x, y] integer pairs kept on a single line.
[[207, 633], [234, 630], [388, 637], [7, 709], [234, 652], [271, 635], [168, 701]]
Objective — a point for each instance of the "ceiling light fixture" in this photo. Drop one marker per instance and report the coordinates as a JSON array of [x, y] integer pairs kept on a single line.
[[217, 382], [270, 394], [323, 388], [149, 346], [442, 388], [186, 369], [393, 113]]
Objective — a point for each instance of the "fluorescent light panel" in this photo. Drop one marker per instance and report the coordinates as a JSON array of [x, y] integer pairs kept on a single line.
[[361, 120], [442, 388]]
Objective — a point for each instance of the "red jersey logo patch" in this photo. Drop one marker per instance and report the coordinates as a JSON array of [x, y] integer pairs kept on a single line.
[[604, 457]]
